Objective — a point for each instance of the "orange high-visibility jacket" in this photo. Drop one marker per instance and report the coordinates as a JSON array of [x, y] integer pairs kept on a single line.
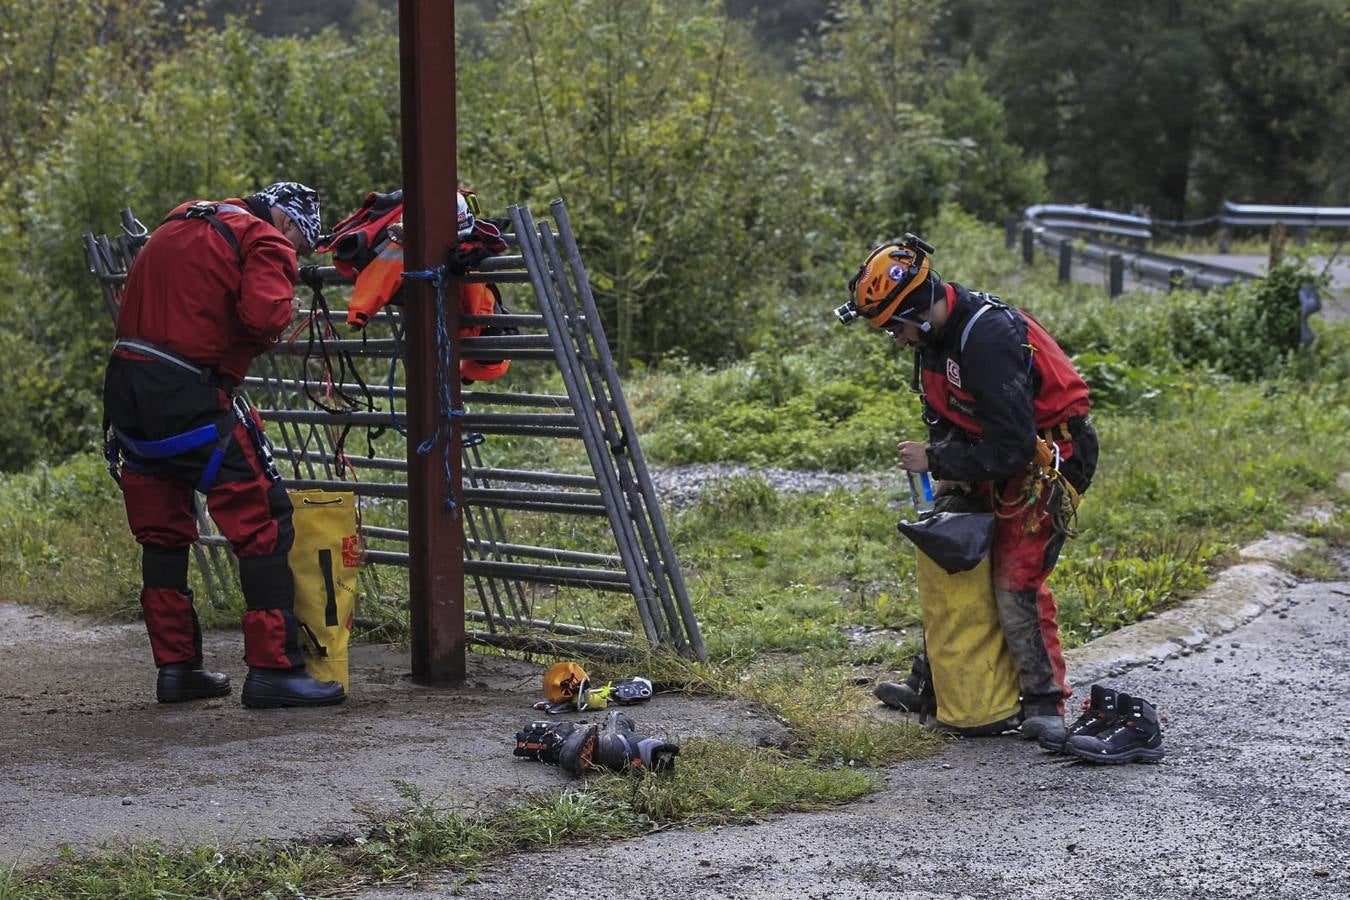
[[382, 278]]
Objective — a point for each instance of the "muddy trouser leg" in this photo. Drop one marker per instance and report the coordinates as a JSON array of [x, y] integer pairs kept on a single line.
[[159, 511], [1027, 613], [1023, 560], [254, 513]]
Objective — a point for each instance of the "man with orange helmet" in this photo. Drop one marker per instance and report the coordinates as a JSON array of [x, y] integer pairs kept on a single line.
[[1008, 422]]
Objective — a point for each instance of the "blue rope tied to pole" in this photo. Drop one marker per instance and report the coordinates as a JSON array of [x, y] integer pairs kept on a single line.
[[445, 370], [389, 383]]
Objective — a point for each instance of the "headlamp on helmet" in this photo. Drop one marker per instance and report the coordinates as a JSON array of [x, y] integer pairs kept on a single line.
[[890, 274]]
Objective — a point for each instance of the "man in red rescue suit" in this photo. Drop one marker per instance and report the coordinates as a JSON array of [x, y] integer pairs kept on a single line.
[[367, 247], [211, 289], [1008, 421]]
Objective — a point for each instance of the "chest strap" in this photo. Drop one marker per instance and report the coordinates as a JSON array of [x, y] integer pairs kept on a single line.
[[209, 212]]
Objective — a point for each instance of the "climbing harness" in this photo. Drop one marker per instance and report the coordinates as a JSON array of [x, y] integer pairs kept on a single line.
[[210, 213], [1043, 486], [221, 432]]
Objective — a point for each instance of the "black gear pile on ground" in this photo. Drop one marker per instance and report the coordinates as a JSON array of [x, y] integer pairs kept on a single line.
[[576, 747]]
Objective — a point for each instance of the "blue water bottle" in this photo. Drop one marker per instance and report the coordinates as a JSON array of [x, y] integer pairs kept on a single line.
[[923, 502]]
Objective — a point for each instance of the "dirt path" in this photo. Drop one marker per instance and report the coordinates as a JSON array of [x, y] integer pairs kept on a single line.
[[1252, 801], [89, 756]]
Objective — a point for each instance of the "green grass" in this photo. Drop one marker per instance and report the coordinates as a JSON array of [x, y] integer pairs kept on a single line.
[[1211, 435], [714, 783]]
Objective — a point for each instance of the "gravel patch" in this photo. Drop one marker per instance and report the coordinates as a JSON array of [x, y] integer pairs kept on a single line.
[[682, 486]]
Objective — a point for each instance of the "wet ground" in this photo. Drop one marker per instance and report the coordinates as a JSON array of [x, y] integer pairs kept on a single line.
[[89, 756], [1252, 800]]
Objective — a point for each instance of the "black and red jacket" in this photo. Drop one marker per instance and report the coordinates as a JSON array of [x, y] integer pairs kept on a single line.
[[993, 379], [194, 294]]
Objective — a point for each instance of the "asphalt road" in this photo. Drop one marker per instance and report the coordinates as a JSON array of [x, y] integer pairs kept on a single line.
[[1252, 800], [1335, 301]]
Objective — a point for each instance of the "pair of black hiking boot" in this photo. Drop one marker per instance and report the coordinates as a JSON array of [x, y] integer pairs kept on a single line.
[[1114, 728]]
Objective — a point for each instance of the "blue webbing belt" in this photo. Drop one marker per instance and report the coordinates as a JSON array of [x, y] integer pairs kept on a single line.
[[180, 444]]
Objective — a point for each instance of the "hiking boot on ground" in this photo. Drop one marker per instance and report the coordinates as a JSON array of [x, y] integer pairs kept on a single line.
[[274, 688], [1099, 713], [568, 745], [914, 694], [182, 681], [1133, 736]]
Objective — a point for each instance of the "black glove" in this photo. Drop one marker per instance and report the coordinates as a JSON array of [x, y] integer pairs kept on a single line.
[[466, 256], [310, 277]]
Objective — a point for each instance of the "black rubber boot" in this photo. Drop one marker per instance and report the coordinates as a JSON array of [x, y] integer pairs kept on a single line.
[[566, 744], [272, 688], [914, 694], [620, 749], [1133, 736], [182, 681], [1099, 713], [1048, 726]]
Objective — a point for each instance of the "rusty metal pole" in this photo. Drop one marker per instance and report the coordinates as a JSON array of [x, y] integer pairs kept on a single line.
[[436, 536]]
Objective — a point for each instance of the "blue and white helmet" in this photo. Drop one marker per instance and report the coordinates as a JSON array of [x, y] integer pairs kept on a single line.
[[466, 217]]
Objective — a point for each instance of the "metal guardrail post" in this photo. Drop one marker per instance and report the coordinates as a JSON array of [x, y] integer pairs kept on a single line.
[[1116, 285], [1277, 236], [1028, 245], [1065, 261], [1176, 279], [1010, 231]]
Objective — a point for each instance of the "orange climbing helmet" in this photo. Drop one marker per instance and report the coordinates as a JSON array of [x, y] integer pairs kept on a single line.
[[888, 275], [563, 681]]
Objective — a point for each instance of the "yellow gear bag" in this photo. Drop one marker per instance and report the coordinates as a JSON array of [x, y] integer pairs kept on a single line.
[[324, 560], [973, 673]]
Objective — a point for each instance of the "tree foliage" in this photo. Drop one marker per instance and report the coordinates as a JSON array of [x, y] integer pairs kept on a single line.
[[1172, 106], [723, 186], [677, 159], [227, 113]]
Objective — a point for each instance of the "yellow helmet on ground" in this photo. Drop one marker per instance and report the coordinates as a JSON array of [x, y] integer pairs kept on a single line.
[[563, 681]]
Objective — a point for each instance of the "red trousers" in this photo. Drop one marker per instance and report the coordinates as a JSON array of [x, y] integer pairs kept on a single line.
[[1026, 548], [152, 401]]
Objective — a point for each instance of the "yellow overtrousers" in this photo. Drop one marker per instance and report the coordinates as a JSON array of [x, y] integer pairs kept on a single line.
[[973, 673]]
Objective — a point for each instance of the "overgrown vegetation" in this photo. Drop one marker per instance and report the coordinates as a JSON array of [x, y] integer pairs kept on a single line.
[[722, 198], [717, 181]]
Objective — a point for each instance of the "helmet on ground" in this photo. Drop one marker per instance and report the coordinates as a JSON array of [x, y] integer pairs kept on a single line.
[[889, 275], [563, 681]]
